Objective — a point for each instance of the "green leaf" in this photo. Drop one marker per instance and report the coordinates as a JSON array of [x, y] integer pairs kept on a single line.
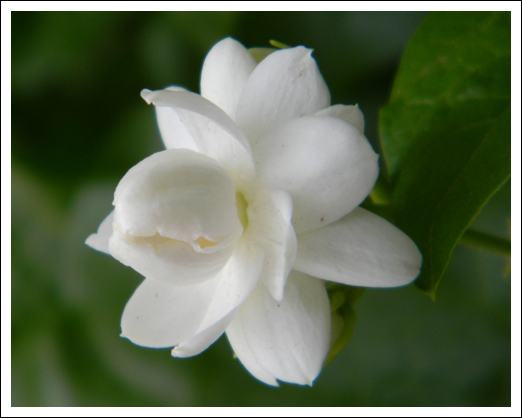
[[446, 132]]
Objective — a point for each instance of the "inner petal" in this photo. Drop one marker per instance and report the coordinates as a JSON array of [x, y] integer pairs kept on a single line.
[[178, 194], [324, 162], [204, 243], [157, 239], [177, 207]]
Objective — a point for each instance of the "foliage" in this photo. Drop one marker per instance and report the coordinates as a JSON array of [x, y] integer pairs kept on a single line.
[[446, 131]]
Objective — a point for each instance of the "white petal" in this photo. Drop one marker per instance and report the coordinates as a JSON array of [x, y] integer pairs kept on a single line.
[[362, 249], [350, 113], [201, 124], [225, 72], [174, 132], [325, 163], [241, 347], [100, 240], [288, 340], [287, 84], [191, 317], [163, 315], [175, 217], [170, 261], [180, 194], [203, 339], [237, 281], [270, 226]]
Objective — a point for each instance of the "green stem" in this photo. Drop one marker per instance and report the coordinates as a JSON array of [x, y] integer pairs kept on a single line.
[[487, 242]]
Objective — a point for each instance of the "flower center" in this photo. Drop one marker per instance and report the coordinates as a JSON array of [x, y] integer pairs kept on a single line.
[[242, 205]]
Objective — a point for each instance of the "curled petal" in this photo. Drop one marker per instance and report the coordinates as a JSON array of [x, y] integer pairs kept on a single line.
[[362, 249], [173, 126], [100, 240], [179, 194], [287, 84], [325, 163], [225, 72], [187, 120], [270, 226], [175, 217], [169, 261], [286, 340]]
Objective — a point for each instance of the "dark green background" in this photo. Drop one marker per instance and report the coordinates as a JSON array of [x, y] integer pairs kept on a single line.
[[78, 124]]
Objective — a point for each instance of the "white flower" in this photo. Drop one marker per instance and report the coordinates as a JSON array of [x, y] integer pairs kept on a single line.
[[253, 204]]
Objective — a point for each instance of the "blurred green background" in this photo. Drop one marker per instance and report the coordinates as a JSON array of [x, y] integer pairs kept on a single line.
[[78, 124]]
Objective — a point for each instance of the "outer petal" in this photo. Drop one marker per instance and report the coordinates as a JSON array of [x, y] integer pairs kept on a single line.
[[173, 126], [100, 240], [325, 163], [200, 124], [225, 72], [161, 315], [270, 226], [350, 113], [203, 339], [362, 249], [287, 340], [287, 84], [241, 346], [176, 217], [237, 281]]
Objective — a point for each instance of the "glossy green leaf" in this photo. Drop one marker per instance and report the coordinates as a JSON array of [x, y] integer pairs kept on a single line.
[[446, 131]]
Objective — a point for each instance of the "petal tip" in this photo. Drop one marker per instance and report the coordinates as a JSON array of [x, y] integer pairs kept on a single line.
[[94, 241], [301, 53], [179, 351], [89, 240], [310, 380], [176, 352], [277, 293], [146, 95], [229, 40]]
